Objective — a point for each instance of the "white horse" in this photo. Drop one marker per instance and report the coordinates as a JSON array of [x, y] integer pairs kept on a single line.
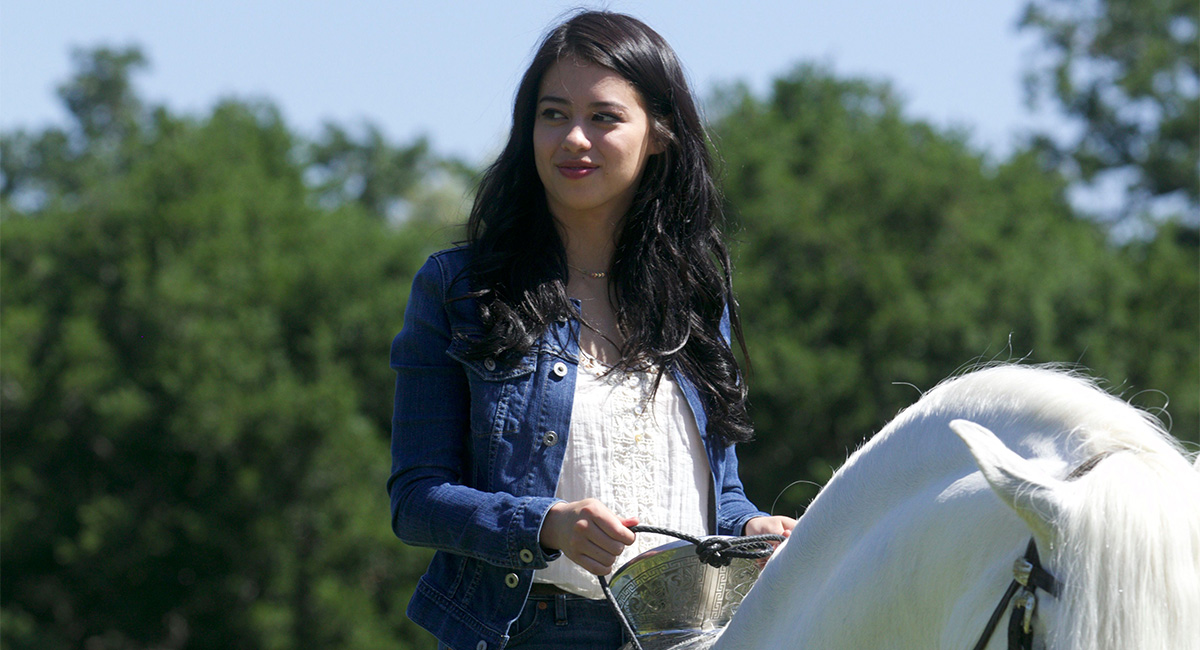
[[908, 545]]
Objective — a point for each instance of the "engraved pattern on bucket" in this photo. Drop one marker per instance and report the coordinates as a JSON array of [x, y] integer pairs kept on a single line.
[[668, 592]]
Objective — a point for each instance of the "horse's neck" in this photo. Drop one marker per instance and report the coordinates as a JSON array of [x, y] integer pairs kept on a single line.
[[907, 515], [908, 547], [916, 474], [903, 528]]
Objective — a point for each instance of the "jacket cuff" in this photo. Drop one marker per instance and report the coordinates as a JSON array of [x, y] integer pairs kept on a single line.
[[525, 547], [741, 525], [735, 523]]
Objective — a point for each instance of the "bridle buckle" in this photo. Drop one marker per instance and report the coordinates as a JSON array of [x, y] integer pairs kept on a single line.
[[1027, 602], [1022, 569]]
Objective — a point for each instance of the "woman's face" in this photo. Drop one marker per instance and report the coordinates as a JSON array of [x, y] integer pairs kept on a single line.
[[591, 139]]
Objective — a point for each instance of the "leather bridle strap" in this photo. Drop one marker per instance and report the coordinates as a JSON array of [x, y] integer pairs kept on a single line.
[[1038, 577], [1030, 575], [996, 614]]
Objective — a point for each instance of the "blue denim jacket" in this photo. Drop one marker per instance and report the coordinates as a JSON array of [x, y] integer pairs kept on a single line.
[[477, 447]]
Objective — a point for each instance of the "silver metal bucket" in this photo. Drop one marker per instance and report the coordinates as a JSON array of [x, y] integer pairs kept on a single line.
[[674, 601]]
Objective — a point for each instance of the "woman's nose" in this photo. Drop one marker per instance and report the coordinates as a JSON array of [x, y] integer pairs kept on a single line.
[[576, 139]]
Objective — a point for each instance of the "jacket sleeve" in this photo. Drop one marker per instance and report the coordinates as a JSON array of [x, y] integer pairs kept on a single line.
[[430, 504], [734, 507]]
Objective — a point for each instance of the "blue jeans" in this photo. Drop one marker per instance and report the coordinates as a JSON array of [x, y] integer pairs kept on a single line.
[[560, 622]]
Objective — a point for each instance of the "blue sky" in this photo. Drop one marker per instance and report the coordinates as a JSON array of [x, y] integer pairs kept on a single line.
[[448, 69]]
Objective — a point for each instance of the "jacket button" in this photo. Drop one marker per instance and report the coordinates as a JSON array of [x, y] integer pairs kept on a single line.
[[560, 369], [482, 645], [489, 363], [526, 555], [550, 439], [511, 581]]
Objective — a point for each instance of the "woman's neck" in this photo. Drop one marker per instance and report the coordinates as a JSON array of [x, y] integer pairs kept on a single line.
[[589, 243]]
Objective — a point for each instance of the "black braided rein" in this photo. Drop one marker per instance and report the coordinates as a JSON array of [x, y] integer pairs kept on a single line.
[[714, 551]]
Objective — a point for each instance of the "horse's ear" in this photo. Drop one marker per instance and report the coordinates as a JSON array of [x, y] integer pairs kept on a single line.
[[1025, 487]]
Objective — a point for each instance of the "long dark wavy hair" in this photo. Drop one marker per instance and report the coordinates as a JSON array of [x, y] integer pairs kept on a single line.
[[670, 272]]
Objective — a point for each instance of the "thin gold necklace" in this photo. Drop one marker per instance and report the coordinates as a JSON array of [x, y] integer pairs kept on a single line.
[[595, 275]]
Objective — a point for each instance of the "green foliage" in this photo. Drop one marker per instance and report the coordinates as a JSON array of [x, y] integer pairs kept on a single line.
[[1129, 72], [60, 165], [877, 255], [371, 173], [1159, 333], [195, 393], [101, 96]]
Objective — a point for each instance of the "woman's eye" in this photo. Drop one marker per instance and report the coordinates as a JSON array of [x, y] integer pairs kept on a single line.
[[552, 114], [607, 118]]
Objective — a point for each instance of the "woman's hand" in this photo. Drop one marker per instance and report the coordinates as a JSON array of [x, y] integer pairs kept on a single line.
[[588, 533], [777, 525]]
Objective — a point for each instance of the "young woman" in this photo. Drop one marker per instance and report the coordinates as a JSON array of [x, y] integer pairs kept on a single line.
[[568, 372]]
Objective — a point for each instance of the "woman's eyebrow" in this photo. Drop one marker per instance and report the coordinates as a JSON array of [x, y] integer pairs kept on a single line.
[[555, 99]]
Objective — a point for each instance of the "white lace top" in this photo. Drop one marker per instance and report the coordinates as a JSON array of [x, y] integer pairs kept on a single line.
[[639, 454]]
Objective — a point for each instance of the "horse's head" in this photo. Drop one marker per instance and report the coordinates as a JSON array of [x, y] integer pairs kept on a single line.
[[1121, 533]]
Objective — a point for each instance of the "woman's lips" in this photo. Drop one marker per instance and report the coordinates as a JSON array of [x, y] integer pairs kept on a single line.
[[575, 170]]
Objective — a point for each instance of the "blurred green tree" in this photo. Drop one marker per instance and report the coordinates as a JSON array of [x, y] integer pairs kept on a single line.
[[878, 254], [1128, 71], [195, 394]]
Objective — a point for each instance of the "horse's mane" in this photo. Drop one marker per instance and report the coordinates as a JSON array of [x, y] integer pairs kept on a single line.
[[1101, 421]]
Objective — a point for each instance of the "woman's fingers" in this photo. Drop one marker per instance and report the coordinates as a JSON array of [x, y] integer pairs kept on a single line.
[[588, 533], [776, 525], [596, 559]]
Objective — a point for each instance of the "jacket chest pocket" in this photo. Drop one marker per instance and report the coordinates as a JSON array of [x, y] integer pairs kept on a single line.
[[498, 390]]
